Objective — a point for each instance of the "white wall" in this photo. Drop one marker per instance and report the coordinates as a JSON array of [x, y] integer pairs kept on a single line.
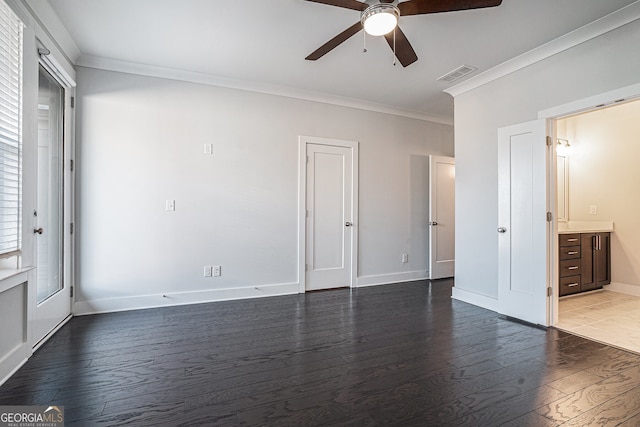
[[603, 171], [599, 65], [140, 141]]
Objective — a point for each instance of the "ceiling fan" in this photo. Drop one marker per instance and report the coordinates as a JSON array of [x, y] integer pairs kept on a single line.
[[380, 18]]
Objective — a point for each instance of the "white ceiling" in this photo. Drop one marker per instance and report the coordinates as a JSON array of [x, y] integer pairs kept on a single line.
[[265, 42]]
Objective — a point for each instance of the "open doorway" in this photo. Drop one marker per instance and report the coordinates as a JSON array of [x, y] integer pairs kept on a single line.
[[597, 191]]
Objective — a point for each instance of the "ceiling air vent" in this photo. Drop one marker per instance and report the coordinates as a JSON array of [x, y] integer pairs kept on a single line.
[[458, 73]]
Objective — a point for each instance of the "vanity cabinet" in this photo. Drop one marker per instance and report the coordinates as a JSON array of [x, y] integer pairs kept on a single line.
[[596, 266], [584, 262]]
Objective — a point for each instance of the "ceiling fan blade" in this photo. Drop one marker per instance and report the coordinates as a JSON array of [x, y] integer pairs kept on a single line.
[[347, 4], [422, 7], [404, 51], [334, 42]]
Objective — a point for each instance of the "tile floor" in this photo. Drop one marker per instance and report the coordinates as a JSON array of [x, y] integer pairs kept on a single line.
[[608, 317]]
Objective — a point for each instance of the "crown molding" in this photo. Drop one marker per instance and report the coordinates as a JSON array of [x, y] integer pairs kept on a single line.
[[587, 32], [289, 92]]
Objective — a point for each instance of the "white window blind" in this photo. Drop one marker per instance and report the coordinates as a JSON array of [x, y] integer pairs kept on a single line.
[[10, 131]]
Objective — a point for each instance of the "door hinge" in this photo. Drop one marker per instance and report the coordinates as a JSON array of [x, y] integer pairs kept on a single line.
[[71, 291], [72, 165], [549, 291], [73, 102], [549, 142], [71, 228], [549, 217]]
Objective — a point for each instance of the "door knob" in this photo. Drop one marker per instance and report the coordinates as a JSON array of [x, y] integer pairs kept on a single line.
[[348, 224], [502, 229], [38, 230]]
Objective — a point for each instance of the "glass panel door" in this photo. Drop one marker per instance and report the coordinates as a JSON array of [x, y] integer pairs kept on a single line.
[[53, 297], [50, 201]]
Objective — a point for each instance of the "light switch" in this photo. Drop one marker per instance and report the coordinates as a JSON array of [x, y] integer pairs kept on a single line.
[[171, 205], [208, 148]]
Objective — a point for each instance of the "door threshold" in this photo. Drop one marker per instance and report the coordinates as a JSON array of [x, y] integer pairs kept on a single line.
[[51, 333]]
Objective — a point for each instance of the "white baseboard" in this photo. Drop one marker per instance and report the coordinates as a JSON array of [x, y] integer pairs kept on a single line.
[[385, 279], [623, 288], [475, 299], [108, 305], [13, 361]]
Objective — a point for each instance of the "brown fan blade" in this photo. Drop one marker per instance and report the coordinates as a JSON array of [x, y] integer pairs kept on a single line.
[[347, 4], [404, 51], [334, 42], [422, 7]]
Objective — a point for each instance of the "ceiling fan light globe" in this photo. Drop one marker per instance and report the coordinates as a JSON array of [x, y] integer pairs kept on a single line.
[[380, 19]]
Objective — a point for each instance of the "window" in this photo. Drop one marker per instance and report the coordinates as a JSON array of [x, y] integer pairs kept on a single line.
[[10, 131]]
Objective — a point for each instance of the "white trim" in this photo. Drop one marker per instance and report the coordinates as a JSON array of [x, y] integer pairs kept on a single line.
[[623, 288], [57, 71], [586, 104], [11, 361], [475, 299], [12, 278], [587, 32], [52, 28], [108, 305], [270, 89], [10, 364], [303, 141], [387, 279]]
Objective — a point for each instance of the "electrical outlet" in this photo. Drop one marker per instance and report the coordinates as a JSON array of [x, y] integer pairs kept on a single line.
[[208, 148], [208, 271], [170, 205], [217, 271], [593, 210], [405, 258]]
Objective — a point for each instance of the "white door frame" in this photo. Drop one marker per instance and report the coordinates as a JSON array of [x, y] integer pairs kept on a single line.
[[605, 99], [303, 141]]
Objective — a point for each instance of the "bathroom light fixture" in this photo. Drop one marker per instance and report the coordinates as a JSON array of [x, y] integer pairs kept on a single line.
[[380, 19]]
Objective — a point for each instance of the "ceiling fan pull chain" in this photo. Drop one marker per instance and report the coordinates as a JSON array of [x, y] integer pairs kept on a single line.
[[394, 47], [364, 42]]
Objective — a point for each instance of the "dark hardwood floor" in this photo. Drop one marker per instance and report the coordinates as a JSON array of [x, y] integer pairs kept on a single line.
[[404, 354]]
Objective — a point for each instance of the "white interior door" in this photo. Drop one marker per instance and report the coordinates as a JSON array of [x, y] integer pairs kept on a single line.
[[522, 222], [52, 293], [441, 216], [329, 222]]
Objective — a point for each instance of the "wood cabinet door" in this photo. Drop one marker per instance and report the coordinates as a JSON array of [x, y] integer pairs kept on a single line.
[[602, 260], [587, 242]]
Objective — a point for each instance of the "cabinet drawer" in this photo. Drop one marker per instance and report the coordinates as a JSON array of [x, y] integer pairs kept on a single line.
[[569, 252], [569, 285], [570, 267], [569, 239]]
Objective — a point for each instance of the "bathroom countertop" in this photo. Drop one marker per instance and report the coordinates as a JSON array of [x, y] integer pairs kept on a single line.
[[585, 227]]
